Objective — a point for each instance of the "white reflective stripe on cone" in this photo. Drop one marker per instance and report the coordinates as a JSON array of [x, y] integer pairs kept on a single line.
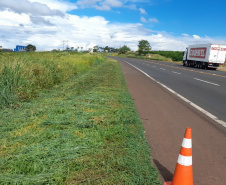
[[184, 160], [187, 143]]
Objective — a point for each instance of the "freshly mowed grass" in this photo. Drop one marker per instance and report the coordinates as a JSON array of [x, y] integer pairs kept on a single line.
[[83, 131]]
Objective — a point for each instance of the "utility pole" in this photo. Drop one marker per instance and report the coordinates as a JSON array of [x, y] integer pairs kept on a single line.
[[64, 43]]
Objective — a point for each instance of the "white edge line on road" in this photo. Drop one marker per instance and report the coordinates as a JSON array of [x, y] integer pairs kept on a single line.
[[183, 98], [176, 73], [162, 69], [206, 82]]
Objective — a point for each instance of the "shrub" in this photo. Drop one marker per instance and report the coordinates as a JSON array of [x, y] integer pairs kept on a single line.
[[174, 55]]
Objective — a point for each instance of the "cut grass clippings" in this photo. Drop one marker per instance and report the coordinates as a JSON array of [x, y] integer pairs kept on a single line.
[[84, 131]]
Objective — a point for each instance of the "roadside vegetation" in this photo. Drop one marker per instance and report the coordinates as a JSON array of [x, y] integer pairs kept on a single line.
[[174, 55], [146, 56], [144, 52], [24, 74], [74, 122], [168, 56]]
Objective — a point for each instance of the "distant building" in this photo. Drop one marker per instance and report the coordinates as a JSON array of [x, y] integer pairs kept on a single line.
[[20, 48], [6, 50], [91, 50]]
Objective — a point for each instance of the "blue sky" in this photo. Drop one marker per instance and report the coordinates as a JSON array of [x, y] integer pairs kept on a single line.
[[166, 24]]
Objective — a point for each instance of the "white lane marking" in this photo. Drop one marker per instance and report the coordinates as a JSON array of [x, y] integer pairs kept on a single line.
[[176, 73], [185, 99], [163, 69], [206, 82]]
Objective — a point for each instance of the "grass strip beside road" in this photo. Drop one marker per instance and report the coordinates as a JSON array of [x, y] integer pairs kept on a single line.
[[84, 131]]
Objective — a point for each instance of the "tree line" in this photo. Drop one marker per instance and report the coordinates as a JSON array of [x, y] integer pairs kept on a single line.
[[144, 47]]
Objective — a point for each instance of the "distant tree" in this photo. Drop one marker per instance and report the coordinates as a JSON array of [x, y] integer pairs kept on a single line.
[[124, 49], [72, 48], [144, 47], [95, 49], [111, 49], [30, 47], [106, 49], [55, 50]]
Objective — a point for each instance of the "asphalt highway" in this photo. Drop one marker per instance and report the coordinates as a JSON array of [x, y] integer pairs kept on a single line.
[[205, 88], [165, 115]]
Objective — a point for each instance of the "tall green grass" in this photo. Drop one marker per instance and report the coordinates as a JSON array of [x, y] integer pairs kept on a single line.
[[174, 55], [83, 131], [23, 75], [169, 56]]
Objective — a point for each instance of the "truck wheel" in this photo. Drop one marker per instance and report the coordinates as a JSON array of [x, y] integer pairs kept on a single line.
[[201, 66]]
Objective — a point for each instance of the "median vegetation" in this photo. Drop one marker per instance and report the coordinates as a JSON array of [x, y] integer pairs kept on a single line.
[[79, 127]]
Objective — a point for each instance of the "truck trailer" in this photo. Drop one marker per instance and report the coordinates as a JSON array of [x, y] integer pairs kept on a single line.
[[205, 56]]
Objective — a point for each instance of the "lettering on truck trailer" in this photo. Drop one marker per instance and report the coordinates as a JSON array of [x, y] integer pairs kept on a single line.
[[197, 53], [219, 49]]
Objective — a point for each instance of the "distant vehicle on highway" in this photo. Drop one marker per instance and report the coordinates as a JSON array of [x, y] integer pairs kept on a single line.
[[205, 56]]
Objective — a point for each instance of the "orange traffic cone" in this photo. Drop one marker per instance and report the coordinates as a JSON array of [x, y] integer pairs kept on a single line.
[[183, 174]]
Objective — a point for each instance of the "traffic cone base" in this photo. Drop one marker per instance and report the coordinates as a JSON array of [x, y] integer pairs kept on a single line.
[[168, 183], [183, 174]]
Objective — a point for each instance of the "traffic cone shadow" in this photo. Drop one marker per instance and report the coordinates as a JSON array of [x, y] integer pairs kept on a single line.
[[183, 174]]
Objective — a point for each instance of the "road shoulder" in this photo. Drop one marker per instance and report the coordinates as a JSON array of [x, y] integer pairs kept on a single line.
[[165, 119]]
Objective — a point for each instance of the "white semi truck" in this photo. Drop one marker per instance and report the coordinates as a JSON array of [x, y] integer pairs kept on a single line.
[[205, 56]]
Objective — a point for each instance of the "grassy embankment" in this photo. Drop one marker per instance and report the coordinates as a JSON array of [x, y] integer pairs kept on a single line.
[[82, 129], [168, 56]]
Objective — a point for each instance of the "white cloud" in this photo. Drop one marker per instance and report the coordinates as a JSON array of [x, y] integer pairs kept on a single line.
[[11, 19], [143, 20], [58, 5], [185, 35], [100, 4], [196, 37], [142, 11], [153, 20], [25, 6], [48, 32], [40, 21], [103, 7], [112, 3]]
